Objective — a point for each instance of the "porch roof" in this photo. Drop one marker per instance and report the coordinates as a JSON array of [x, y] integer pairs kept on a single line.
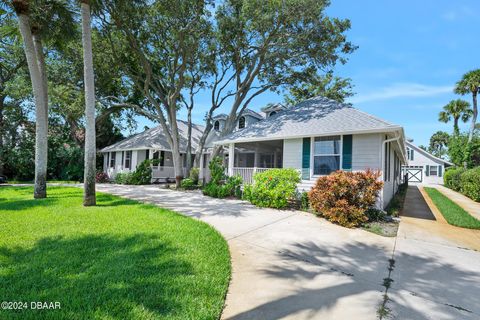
[[155, 138], [313, 117]]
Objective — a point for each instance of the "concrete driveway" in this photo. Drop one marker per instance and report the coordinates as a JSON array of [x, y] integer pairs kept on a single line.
[[292, 265]]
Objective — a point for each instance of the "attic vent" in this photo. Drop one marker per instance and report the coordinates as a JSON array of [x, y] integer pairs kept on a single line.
[[272, 113], [241, 123]]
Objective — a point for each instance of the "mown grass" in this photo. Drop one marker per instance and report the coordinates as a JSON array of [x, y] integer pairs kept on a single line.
[[49, 181], [118, 260], [453, 213]]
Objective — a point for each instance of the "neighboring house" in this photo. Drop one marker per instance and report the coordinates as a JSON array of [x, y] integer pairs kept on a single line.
[[126, 155], [316, 137], [423, 167]]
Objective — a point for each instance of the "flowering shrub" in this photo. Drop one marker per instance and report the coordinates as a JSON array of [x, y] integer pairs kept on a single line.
[[344, 197], [101, 177], [273, 188]]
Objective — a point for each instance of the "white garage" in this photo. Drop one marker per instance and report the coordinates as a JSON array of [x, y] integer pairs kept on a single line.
[[423, 167]]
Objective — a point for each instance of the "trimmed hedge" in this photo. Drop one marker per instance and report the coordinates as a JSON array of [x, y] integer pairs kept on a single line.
[[273, 188], [464, 181], [470, 183], [451, 178]]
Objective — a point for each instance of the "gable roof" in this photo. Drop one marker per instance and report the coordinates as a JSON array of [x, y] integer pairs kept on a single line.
[[313, 117], [154, 138], [427, 154], [246, 112]]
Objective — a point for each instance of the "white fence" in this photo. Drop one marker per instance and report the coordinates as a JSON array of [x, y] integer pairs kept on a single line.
[[247, 173]]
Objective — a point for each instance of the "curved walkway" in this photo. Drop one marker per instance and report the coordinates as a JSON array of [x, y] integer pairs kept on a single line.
[[292, 265]]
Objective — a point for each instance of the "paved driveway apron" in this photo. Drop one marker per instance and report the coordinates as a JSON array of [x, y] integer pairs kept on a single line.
[[292, 265]]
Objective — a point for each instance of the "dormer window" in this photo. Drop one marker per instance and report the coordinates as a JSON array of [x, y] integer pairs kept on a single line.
[[241, 123], [216, 125], [273, 113]]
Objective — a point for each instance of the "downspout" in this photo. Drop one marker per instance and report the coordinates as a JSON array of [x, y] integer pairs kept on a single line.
[[384, 143]]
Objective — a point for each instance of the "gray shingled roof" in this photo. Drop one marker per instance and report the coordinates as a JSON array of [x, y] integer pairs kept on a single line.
[[313, 117], [155, 139]]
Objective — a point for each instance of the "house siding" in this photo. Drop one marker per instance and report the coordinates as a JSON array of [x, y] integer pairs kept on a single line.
[[292, 153], [366, 151]]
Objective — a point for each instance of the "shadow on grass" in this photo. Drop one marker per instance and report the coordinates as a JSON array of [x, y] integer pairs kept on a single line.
[[140, 276]]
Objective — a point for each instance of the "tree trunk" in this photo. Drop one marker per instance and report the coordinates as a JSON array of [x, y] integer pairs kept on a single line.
[[2, 133], [89, 198], [189, 142], [474, 117], [456, 130], [40, 189]]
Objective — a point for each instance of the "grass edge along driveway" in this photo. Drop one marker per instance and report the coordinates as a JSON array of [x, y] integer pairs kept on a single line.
[[119, 260], [453, 213]]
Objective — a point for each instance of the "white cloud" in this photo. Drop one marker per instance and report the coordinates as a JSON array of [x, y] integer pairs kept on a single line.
[[458, 13], [401, 90]]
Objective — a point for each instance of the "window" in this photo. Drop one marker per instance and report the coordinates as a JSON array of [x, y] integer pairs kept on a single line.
[[112, 159], [326, 155], [128, 159], [216, 125], [155, 157], [273, 113], [241, 123], [410, 154], [433, 170]]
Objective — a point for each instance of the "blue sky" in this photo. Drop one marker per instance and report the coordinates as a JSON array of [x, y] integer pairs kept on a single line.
[[410, 55]]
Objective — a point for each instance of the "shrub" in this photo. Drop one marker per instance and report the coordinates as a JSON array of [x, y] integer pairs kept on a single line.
[[194, 173], [273, 188], [470, 183], [343, 197], [188, 184], [304, 202], [142, 174], [217, 170], [221, 186], [451, 178], [101, 177], [123, 178], [375, 215]]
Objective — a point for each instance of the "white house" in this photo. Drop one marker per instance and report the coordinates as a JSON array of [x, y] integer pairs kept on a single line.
[[316, 137], [126, 155], [423, 167]]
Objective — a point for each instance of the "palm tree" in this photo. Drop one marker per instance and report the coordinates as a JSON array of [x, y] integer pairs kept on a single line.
[[456, 109], [41, 112], [470, 83], [89, 198]]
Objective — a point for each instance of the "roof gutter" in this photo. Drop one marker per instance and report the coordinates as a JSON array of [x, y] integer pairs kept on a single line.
[[384, 144]]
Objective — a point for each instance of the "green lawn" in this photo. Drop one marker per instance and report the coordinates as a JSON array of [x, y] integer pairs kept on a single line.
[[49, 181], [452, 212], [119, 260]]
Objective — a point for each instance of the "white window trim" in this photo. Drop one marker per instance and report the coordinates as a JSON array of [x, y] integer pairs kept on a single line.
[[312, 154]]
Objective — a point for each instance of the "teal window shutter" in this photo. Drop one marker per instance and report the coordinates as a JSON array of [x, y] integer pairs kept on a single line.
[[440, 171], [347, 152], [427, 170], [306, 159]]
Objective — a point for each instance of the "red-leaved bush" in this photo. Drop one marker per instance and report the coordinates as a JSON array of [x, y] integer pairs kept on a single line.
[[101, 177], [343, 197]]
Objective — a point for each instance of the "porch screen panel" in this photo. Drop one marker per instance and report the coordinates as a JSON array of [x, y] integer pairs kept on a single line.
[[347, 152], [306, 159]]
